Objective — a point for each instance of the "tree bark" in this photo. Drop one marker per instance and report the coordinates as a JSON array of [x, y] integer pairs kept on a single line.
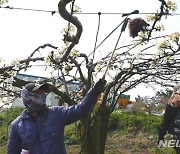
[[96, 134]]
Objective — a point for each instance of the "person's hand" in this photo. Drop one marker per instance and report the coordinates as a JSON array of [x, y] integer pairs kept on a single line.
[[99, 86]]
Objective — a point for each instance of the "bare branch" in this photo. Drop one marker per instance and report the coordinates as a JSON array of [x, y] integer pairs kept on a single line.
[[74, 39], [42, 47]]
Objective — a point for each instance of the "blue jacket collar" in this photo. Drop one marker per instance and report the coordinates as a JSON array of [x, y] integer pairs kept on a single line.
[[27, 116]]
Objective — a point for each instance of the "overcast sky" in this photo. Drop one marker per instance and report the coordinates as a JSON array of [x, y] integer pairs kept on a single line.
[[23, 31]]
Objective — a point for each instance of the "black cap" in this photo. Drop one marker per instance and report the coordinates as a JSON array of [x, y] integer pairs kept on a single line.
[[34, 87]]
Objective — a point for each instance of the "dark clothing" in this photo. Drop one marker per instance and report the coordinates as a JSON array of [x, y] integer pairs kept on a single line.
[[45, 133], [171, 124], [168, 121]]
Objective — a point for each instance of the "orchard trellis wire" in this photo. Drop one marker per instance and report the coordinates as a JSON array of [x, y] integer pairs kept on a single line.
[[83, 13]]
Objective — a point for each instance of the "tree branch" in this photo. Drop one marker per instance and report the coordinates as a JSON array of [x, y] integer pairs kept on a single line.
[[75, 39]]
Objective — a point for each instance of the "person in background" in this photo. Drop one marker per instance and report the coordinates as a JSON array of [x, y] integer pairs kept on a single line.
[[40, 129], [171, 118]]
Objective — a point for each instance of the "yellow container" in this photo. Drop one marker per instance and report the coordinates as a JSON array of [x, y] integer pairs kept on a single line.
[[123, 101]]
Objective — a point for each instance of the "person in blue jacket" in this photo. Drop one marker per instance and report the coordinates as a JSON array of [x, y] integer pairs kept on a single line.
[[40, 129]]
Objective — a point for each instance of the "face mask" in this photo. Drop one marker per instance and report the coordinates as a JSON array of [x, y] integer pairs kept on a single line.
[[37, 98], [33, 101]]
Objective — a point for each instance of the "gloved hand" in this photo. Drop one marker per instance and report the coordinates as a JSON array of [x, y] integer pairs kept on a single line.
[[99, 86]]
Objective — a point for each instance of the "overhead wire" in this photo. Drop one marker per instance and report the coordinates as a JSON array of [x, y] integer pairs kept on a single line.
[[85, 13], [27, 9]]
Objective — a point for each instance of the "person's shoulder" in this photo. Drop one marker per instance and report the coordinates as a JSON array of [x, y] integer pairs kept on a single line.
[[21, 116], [16, 120]]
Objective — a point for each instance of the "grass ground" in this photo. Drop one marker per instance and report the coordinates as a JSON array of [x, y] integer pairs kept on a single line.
[[120, 143], [133, 144]]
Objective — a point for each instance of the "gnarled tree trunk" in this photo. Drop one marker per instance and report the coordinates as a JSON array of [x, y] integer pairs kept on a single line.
[[96, 134]]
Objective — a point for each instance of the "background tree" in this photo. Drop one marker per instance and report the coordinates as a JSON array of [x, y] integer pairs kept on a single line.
[[147, 104], [143, 61], [155, 103], [162, 98]]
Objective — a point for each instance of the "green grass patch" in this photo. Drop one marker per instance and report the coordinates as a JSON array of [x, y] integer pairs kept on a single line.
[[162, 151], [124, 120], [71, 134]]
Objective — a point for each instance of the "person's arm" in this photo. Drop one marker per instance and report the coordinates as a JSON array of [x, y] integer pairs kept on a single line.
[[78, 111], [14, 141], [167, 121]]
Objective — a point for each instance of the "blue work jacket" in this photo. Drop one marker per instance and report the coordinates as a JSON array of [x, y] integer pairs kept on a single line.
[[45, 133]]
